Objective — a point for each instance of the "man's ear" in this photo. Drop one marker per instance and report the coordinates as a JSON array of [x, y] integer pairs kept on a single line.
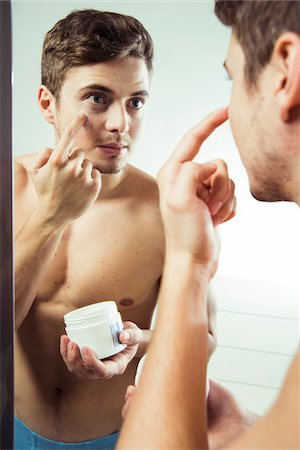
[[286, 58], [46, 103]]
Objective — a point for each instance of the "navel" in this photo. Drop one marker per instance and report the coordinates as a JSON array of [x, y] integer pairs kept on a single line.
[[58, 393]]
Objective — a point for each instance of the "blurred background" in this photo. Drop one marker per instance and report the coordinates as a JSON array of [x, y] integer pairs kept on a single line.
[[257, 284]]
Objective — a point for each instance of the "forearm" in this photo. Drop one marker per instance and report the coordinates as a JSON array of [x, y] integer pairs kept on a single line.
[[34, 248], [172, 376]]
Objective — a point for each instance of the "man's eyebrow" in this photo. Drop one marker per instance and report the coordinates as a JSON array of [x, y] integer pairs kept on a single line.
[[142, 93], [100, 87], [96, 87]]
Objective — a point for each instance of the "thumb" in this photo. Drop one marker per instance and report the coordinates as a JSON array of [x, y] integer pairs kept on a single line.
[[131, 336], [42, 158]]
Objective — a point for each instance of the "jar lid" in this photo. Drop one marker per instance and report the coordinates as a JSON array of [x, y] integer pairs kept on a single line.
[[95, 309]]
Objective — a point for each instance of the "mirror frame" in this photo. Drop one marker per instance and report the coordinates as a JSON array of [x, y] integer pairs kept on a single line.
[[6, 248]]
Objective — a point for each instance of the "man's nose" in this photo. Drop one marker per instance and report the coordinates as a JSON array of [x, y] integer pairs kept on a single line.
[[117, 118]]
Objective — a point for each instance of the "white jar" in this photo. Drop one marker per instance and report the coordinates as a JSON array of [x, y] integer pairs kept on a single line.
[[96, 326]]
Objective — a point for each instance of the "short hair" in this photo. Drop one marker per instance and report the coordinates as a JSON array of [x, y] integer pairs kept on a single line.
[[89, 36], [257, 25]]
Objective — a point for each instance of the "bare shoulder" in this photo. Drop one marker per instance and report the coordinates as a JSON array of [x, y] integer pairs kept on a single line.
[[143, 190], [24, 191], [22, 166], [144, 185]]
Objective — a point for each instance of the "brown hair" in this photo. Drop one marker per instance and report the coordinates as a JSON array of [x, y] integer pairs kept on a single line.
[[257, 25], [89, 36]]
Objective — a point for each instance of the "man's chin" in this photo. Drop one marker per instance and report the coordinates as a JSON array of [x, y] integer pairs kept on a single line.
[[109, 169], [268, 195]]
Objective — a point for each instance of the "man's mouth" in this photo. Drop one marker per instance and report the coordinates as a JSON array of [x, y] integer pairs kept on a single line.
[[112, 148]]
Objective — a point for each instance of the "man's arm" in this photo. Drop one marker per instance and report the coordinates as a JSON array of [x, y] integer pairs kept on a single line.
[[168, 409], [66, 185], [35, 244], [163, 411]]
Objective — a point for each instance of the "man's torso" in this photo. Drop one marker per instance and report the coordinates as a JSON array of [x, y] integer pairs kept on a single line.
[[113, 252]]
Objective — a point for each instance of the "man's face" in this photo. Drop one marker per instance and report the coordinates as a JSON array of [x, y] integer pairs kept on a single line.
[[256, 126], [113, 94]]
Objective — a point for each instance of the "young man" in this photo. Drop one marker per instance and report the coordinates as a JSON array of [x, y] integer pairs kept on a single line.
[[263, 62], [76, 244]]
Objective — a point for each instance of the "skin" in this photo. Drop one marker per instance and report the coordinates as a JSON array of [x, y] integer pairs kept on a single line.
[[58, 198], [176, 415], [77, 240], [226, 418]]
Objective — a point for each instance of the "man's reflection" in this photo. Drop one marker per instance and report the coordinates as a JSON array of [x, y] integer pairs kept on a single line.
[[88, 229]]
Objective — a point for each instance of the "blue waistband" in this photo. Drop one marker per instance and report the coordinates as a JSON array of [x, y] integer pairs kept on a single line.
[[26, 439]]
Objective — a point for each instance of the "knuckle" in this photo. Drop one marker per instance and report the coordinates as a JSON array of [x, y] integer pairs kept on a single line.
[[161, 174], [105, 374], [69, 131], [45, 150], [77, 153], [222, 163], [87, 163], [174, 204], [57, 161]]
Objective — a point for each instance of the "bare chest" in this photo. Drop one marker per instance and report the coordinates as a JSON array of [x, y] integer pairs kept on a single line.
[[104, 261]]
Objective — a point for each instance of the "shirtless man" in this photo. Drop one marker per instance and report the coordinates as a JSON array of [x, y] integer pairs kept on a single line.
[[264, 113], [76, 245], [82, 237]]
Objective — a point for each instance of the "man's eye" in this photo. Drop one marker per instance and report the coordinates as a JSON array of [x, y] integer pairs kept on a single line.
[[96, 98], [136, 103]]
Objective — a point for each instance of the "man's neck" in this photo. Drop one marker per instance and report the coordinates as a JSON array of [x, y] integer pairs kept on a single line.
[[110, 184]]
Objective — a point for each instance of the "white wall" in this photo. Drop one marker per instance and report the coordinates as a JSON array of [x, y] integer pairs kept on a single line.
[[189, 81], [262, 242]]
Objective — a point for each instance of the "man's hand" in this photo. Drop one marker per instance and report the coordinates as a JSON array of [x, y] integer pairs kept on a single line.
[[128, 397], [65, 182], [89, 367], [226, 418], [194, 198]]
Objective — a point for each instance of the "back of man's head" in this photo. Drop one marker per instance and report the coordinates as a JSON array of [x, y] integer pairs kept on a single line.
[[88, 37], [257, 24]]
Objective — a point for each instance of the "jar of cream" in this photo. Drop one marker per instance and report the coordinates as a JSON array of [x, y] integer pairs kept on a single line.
[[96, 326]]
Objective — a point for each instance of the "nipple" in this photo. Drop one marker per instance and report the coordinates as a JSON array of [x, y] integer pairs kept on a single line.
[[126, 302]]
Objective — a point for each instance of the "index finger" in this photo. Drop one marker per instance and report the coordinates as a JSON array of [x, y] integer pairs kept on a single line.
[[190, 144], [68, 135]]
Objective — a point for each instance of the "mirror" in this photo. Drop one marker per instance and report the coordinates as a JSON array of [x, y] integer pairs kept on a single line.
[[255, 290]]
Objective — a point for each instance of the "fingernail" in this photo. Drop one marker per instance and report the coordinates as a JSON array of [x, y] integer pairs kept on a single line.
[[127, 336], [70, 346], [83, 114], [214, 208]]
